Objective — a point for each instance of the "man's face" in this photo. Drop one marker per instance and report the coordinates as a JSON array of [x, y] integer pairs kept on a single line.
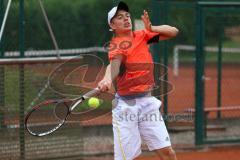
[[121, 22]]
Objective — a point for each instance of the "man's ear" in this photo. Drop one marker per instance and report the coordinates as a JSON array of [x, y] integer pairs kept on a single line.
[[112, 25]]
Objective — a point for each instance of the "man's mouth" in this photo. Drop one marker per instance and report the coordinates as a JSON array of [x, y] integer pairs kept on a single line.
[[127, 24]]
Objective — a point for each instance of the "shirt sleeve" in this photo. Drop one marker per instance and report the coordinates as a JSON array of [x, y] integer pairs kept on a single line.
[[151, 37], [113, 53]]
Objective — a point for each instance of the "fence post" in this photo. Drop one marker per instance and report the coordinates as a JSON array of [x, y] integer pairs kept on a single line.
[[219, 62], [1, 20], [199, 67], [21, 81], [165, 61], [2, 71]]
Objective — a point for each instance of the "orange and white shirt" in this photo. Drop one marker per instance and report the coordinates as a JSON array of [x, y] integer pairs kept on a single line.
[[136, 75]]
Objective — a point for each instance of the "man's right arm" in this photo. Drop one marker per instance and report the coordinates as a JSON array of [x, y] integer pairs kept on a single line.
[[111, 73]]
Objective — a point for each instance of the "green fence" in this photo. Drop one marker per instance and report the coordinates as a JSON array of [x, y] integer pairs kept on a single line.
[[26, 80], [217, 73]]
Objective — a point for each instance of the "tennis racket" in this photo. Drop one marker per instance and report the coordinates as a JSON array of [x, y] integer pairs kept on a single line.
[[48, 116]]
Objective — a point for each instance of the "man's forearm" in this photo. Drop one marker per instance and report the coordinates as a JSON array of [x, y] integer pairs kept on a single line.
[[165, 30], [112, 72]]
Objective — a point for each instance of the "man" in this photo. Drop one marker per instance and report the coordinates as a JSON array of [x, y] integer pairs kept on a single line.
[[133, 100]]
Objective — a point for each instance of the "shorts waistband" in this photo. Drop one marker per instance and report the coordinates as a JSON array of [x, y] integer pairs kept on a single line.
[[145, 94]]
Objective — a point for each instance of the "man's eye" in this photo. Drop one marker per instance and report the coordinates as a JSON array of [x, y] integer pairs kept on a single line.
[[119, 17]]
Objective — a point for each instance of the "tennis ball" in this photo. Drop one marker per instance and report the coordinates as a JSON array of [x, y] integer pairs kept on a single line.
[[93, 102]]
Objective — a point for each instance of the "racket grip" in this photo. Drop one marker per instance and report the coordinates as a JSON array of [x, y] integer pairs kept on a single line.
[[91, 93]]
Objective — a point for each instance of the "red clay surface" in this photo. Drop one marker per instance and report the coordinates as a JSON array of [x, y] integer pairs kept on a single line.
[[183, 97], [211, 154], [183, 94]]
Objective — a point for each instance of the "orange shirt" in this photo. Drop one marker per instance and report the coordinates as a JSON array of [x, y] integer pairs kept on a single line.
[[137, 66]]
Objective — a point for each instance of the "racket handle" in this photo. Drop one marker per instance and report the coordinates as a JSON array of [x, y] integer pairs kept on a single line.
[[91, 93]]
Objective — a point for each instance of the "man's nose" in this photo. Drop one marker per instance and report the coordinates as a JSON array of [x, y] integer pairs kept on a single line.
[[125, 19]]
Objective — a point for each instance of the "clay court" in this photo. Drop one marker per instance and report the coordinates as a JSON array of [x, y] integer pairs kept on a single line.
[[224, 153]]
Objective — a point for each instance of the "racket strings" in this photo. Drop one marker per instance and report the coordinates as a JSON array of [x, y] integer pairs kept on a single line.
[[61, 110], [47, 118]]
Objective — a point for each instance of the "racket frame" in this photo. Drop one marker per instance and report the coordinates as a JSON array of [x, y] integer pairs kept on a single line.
[[75, 101]]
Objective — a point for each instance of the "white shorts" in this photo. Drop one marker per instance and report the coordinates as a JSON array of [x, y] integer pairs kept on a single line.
[[135, 120]]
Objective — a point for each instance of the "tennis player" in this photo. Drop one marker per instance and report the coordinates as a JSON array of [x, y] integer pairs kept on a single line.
[[136, 115]]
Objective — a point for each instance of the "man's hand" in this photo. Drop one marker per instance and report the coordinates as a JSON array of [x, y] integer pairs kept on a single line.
[[104, 85], [166, 31], [146, 20]]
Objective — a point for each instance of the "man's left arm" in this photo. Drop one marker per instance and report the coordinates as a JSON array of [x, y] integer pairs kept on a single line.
[[165, 31]]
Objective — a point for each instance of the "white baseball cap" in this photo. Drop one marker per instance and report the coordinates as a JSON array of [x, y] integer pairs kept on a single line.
[[113, 11]]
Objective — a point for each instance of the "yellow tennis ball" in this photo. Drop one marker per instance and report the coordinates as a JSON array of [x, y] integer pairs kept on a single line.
[[93, 102]]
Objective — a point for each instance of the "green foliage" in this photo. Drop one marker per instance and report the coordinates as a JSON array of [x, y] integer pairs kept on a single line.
[[75, 23], [83, 23], [31, 81]]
